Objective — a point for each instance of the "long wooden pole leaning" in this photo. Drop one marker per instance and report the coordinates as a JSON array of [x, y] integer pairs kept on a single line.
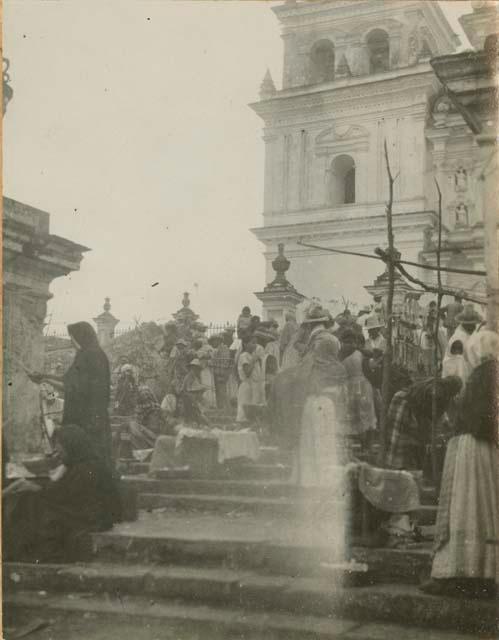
[[436, 353], [388, 357]]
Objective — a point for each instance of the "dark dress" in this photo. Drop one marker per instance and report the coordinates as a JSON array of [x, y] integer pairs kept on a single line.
[[49, 525], [87, 385]]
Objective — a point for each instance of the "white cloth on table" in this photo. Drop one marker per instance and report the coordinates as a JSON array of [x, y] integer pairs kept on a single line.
[[468, 512], [231, 444], [237, 444]]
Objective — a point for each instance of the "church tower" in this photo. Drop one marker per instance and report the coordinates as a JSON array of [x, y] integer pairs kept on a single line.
[[357, 73]]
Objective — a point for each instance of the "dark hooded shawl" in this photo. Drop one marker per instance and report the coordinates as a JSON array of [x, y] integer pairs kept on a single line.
[[45, 526], [87, 382], [87, 385]]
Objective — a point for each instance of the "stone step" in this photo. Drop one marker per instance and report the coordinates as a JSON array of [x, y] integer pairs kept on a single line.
[[194, 486], [183, 622], [246, 543], [226, 487], [223, 504], [250, 593], [239, 471], [255, 471], [284, 507]]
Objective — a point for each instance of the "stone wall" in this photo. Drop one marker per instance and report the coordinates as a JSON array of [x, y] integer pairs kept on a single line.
[[32, 259]]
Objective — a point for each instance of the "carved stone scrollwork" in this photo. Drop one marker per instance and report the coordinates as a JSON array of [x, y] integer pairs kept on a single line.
[[7, 89], [441, 111]]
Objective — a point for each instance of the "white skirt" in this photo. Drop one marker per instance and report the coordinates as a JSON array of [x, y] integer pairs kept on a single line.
[[470, 476], [318, 455], [209, 396]]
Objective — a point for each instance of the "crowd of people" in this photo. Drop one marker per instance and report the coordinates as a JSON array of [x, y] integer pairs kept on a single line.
[[314, 388]]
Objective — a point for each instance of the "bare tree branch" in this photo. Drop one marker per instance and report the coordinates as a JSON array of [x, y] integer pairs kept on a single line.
[[434, 420], [388, 357]]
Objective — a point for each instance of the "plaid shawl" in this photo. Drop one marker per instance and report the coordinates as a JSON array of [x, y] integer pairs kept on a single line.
[[405, 439]]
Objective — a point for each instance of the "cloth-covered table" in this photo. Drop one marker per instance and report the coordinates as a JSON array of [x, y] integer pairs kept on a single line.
[[231, 444]]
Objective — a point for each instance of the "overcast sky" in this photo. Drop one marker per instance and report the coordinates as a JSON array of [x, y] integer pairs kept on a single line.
[[130, 125]]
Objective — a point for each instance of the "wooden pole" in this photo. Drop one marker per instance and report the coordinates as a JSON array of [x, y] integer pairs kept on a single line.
[[388, 357], [436, 353], [489, 179]]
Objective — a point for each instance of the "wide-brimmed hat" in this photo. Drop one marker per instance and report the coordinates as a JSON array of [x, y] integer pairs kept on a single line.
[[373, 323], [317, 314], [195, 362], [182, 341], [468, 316]]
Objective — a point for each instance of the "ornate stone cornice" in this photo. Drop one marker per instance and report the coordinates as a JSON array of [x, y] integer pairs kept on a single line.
[[412, 224], [30, 248], [394, 92]]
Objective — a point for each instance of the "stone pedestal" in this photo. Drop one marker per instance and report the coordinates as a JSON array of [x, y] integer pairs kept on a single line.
[[279, 297], [380, 286], [106, 325], [32, 258]]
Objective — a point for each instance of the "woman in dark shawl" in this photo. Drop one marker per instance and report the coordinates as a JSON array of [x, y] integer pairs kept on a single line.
[[86, 386], [48, 524]]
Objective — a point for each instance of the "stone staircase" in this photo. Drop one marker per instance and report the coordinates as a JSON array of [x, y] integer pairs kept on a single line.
[[228, 554]]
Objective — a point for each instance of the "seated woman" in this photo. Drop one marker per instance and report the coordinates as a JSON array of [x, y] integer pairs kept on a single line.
[[148, 422], [467, 529], [126, 392], [48, 524]]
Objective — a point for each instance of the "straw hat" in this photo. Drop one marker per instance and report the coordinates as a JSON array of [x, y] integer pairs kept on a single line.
[[373, 323], [468, 316], [317, 314], [195, 363]]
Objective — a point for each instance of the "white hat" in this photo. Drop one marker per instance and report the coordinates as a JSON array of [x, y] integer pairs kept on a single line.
[[373, 323]]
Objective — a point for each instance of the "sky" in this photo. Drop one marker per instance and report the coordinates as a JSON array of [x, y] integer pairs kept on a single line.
[[130, 124]]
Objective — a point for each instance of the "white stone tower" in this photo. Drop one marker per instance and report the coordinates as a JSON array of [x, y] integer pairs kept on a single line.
[[356, 73]]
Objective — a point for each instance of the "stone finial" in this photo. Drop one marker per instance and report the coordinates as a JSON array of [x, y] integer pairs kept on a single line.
[[267, 88], [186, 302], [7, 89], [280, 265], [107, 305]]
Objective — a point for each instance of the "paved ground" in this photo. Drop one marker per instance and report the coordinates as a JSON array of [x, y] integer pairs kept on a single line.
[[90, 626]]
